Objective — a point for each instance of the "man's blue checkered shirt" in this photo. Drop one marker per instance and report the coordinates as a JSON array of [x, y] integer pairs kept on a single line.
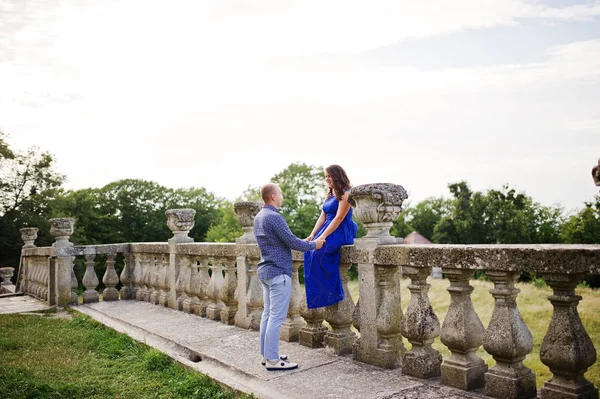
[[276, 241]]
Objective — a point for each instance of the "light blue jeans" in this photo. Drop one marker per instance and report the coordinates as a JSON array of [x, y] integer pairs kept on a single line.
[[276, 295]]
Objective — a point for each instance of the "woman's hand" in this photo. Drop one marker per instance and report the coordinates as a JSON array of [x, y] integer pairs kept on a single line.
[[310, 237]]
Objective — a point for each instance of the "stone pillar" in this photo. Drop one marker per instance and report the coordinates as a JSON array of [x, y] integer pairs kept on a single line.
[[245, 212], [155, 279], [110, 279], [90, 280], [180, 222], [228, 293], [290, 330], [339, 316], [313, 333], [462, 333], [61, 229], [508, 340], [420, 326], [139, 272], [28, 235], [377, 206], [566, 348], [127, 290], [6, 274], [213, 310]]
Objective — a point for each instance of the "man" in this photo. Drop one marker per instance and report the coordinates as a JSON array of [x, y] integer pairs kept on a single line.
[[276, 242]]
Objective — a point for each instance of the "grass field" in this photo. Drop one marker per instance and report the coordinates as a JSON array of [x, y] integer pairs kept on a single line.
[[535, 309], [74, 357]]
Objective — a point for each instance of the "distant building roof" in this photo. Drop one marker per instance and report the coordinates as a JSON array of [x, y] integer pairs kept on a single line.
[[416, 238]]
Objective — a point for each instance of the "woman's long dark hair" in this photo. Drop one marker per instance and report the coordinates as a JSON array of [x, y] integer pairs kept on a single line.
[[339, 180]]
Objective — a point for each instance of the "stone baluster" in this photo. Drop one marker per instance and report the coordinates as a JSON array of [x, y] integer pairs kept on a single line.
[[462, 333], [45, 270], [110, 279], [182, 281], [228, 293], [339, 316], [508, 340], [566, 349], [23, 279], [140, 276], [290, 330], [61, 229], [127, 276], [180, 222], [313, 333], [165, 283], [420, 326], [32, 277], [377, 206], [213, 310], [148, 276], [155, 279], [254, 298], [90, 280], [204, 278], [193, 288]]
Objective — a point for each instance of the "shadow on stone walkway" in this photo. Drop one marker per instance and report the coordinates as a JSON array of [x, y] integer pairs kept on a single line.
[[230, 355]]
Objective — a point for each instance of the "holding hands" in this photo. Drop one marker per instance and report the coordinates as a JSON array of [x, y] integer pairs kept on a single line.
[[320, 241]]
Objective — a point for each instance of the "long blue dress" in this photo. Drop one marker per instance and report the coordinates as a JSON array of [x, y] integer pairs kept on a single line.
[[321, 266]]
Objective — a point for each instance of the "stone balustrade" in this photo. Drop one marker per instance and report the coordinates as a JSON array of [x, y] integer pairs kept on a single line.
[[218, 281]]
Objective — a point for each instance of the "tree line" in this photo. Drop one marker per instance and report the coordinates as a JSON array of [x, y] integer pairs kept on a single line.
[[133, 210]]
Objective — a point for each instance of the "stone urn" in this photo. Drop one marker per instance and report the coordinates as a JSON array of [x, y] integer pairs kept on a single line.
[[245, 212], [377, 206], [180, 221], [28, 235], [6, 274], [596, 174], [61, 229]]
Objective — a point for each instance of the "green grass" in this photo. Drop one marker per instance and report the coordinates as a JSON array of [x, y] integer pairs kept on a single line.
[[47, 357], [535, 309]]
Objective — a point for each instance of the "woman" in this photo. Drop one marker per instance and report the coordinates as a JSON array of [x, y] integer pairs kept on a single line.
[[321, 266]]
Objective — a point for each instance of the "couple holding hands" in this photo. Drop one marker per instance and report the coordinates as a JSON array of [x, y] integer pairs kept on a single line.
[[321, 248]]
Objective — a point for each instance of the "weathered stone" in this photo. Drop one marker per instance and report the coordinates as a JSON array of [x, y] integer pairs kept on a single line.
[[420, 326], [290, 329], [245, 212], [377, 206], [28, 235], [462, 332], [110, 280], [90, 281], [180, 221], [566, 348], [339, 316], [508, 340]]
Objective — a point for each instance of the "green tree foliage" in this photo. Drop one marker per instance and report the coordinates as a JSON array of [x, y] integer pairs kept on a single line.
[[584, 227], [303, 190], [28, 183], [228, 228], [133, 210]]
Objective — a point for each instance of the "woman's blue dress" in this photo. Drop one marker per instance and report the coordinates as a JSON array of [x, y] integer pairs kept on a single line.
[[321, 266]]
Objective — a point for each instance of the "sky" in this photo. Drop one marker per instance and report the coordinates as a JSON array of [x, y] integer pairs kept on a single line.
[[225, 94]]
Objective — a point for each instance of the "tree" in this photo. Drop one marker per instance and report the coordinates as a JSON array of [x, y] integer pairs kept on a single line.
[[303, 192], [28, 183], [584, 227]]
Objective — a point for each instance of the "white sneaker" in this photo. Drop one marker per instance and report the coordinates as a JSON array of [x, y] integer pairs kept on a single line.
[[264, 360], [281, 365]]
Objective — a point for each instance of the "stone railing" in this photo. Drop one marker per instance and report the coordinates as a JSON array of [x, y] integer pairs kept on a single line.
[[219, 282]]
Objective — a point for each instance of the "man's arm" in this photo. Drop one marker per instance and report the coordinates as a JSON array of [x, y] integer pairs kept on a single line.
[[282, 230]]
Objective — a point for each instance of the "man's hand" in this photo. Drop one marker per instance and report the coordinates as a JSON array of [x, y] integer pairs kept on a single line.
[[320, 241]]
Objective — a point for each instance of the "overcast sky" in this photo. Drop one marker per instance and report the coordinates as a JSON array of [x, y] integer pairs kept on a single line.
[[225, 94]]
